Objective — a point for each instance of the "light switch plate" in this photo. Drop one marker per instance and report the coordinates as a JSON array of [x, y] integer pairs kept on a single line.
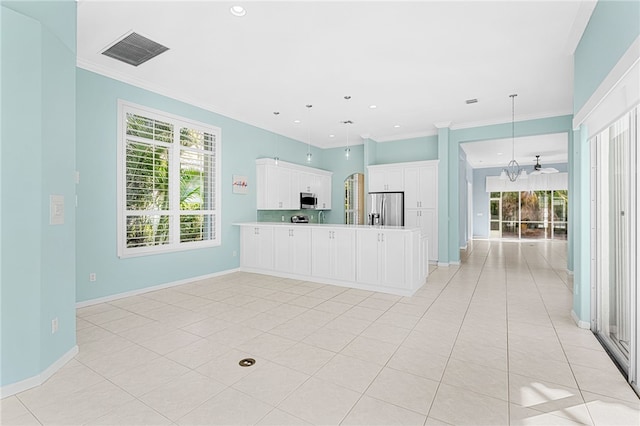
[[56, 209]]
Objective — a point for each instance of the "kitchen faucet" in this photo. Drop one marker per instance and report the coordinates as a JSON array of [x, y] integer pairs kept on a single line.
[[321, 216]]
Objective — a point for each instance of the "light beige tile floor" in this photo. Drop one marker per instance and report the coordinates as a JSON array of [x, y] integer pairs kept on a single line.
[[490, 342]]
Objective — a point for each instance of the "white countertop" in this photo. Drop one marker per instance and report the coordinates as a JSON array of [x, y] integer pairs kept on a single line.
[[326, 225]]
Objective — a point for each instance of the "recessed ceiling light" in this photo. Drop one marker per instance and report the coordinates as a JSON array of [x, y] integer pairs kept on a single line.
[[373, 106], [332, 136], [238, 11], [499, 153], [396, 125], [296, 121]]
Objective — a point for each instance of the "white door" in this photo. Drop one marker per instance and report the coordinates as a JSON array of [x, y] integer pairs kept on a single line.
[[367, 253], [301, 250], [322, 253]]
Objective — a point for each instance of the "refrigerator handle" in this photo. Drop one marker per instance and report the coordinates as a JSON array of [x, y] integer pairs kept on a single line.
[[382, 210]]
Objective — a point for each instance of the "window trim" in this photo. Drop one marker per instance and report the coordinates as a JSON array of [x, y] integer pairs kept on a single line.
[[123, 251]]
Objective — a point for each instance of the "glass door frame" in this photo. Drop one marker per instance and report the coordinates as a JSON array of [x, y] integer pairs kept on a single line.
[[633, 257]]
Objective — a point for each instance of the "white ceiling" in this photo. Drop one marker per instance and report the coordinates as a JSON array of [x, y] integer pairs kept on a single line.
[[552, 148], [416, 61]]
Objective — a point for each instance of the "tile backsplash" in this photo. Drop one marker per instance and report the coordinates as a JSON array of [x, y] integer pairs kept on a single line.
[[276, 215]]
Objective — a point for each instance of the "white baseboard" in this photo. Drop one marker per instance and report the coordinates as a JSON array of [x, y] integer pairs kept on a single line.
[[569, 272], [464, 247], [153, 288], [38, 379], [581, 324], [443, 264]]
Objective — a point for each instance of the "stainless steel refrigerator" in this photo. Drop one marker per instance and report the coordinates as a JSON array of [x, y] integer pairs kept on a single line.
[[386, 208]]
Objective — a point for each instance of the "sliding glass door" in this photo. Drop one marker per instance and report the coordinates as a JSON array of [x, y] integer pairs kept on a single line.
[[615, 240], [540, 215]]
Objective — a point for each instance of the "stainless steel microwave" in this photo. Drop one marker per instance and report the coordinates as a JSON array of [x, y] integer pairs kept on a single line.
[[308, 200]]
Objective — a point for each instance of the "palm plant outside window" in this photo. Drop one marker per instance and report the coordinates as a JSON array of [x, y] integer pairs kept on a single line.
[[169, 183]]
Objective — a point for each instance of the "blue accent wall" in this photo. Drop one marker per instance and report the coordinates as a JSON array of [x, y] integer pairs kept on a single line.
[[37, 160], [481, 197], [404, 150], [97, 122], [613, 26]]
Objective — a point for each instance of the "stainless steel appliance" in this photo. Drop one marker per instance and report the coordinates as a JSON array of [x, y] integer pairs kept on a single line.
[[308, 200], [300, 219], [387, 208]]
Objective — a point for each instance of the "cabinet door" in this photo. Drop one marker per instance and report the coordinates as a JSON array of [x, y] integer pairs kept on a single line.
[[411, 188], [367, 256], [344, 251], [323, 191], [428, 187], [256, 247], [420, 187], [429, 225], [278, 188], [395, 179], [392, 259], [427, 221], [322, 252], [300, 250], [282, 249], [386, 179]]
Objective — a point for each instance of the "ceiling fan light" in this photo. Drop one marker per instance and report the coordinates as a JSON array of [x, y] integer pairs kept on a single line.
[[503, 175]]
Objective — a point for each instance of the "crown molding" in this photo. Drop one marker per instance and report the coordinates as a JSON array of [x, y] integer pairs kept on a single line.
[[401, 136], [492, 122], [442, 124]]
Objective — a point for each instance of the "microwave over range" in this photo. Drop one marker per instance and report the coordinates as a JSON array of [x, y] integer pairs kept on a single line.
[[308, 200]]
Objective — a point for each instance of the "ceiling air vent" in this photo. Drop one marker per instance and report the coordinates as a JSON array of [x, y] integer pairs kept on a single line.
[[471, 101], [135, 49]]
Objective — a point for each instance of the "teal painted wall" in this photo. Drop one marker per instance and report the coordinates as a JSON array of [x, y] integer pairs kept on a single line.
[[498, 131], [481, 197], [242, 144], [403, 150], [613, 26], [38, 145]]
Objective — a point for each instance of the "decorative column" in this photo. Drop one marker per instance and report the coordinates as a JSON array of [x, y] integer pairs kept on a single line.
[[444, 189]]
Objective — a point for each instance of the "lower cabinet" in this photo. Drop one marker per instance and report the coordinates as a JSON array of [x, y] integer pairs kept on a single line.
[[381, 257], [256, 250], [377, 259], [427, 221], [292, 249], [334, 253]]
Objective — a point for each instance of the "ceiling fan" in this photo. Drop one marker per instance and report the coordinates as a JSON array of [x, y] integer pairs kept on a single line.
[[538, 169]]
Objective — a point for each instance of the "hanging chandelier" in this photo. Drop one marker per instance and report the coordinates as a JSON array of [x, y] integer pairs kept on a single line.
[[513, 171]]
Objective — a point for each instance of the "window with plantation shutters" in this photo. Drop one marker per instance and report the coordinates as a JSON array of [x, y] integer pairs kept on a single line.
[[168, 182]]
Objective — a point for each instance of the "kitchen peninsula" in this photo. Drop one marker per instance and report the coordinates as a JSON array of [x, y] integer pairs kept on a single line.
[[378, 258]]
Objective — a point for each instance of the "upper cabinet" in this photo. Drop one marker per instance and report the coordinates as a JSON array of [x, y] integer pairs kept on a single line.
[[421, 187], [278, 187], [385, 178]]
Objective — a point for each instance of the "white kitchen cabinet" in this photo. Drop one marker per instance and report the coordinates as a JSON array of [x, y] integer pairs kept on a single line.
[[421, 187], [381, 257], [427, 221], [278, 187], [323, 192], [275, 188], [385, 178], [256, 249], [292, 249], [334, 253]]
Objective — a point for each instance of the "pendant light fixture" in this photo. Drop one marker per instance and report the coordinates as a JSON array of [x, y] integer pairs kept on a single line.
[[347, 150], [276, 159], [309, 134], [513, 171]]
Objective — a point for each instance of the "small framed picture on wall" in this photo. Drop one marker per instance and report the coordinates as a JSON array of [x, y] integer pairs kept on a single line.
[[240, 184]]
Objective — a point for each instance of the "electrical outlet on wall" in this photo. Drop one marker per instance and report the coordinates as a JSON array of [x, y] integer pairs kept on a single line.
[[54, 325], [92, 277]]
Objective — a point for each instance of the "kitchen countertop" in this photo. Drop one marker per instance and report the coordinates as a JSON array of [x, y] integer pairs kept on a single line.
[[326, 225]]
